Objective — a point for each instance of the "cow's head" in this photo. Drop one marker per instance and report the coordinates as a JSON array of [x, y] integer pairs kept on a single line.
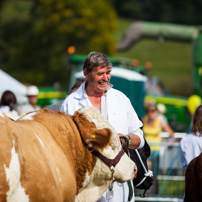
[[99, 135]]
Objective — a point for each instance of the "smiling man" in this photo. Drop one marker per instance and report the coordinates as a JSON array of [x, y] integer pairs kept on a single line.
[[97, 92]]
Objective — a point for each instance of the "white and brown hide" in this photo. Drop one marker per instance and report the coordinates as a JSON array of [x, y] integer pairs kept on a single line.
[[43, 157]]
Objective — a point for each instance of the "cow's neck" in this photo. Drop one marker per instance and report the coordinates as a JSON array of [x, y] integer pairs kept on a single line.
[[94, 188], [68, 138], [85, 163], [91, 194], [95, 185]]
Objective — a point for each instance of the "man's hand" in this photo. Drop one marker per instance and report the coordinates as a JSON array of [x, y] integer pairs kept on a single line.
[[124, 144], [135, 140]]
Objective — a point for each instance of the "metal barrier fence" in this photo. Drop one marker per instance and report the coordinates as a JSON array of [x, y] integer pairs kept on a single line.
[[169, 180]]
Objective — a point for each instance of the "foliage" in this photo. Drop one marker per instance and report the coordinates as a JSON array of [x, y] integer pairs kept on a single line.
[[36, 46], [35, 34], [171, 11], [86, 26], [13, 22]]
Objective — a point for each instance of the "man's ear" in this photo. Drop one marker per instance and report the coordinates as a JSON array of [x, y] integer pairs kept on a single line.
[[99, 137], [85, 72]]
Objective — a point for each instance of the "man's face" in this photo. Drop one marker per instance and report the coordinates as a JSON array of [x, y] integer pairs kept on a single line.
[[99, 78]]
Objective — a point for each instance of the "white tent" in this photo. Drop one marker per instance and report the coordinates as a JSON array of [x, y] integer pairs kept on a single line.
[[7, 82]]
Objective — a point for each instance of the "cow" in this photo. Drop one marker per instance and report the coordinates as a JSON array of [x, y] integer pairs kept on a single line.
[[193, 180], [51, 156]]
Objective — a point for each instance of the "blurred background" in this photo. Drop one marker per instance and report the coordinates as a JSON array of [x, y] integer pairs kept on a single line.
[[155, 47], [43, 43], [35, 36]]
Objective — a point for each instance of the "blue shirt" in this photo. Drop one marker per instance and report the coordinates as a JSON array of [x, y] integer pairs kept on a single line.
[[190, 147]]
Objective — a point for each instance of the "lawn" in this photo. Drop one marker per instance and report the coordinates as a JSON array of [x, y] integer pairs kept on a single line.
[[171, 60]]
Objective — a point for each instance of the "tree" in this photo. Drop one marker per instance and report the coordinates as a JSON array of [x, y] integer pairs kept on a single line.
[[53, 26], [13, 23], [170, 11]]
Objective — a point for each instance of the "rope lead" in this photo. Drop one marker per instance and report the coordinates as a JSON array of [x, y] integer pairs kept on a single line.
[[130, 195], [130, 190]]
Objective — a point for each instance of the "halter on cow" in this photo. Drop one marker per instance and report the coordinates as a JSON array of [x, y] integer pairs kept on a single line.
[[43, 157]]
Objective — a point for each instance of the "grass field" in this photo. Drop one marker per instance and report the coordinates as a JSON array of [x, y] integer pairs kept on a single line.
[[171, 60]]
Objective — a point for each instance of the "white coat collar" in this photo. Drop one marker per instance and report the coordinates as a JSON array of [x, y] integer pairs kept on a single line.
[[80, 96], [83, 99]]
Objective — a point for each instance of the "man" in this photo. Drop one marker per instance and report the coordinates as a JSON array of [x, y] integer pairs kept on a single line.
[[96, 91], [32, 93]]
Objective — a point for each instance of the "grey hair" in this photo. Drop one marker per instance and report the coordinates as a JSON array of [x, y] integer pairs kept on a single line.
[[96, 59]]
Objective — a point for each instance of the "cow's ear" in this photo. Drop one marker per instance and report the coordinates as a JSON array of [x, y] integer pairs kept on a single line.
[[89, 133], [99, 137]]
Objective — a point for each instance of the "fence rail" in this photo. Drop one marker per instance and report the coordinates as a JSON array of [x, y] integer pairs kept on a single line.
[[169, 180]]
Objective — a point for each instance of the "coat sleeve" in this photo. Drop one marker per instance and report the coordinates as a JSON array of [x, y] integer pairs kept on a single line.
[[64, 107], [68, 106], [122, 116], [135, 125]]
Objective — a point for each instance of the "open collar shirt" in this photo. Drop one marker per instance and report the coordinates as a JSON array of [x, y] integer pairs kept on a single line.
[[115, 107]]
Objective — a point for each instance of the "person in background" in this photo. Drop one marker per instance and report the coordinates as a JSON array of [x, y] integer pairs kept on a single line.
[[97, 92], [193, 102], [153, 125], [191, 143], [57, 106], [8, 105], [77, 85], [32, 93], [162, 109]]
